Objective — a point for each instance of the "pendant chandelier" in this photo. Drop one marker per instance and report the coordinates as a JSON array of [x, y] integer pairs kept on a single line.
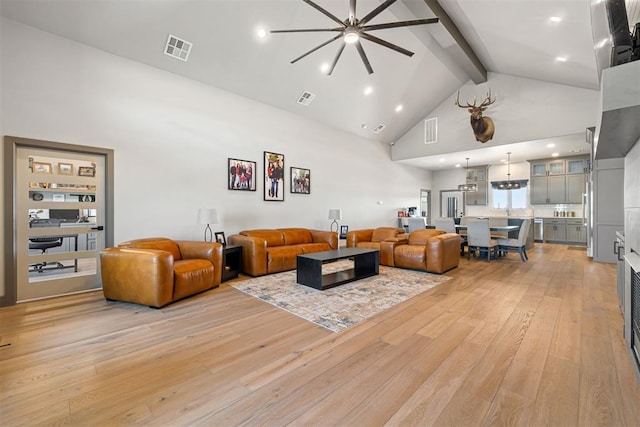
[[467, 186], [509, 184]]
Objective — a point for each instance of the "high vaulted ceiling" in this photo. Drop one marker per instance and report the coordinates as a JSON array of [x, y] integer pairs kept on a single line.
[[515, 37]]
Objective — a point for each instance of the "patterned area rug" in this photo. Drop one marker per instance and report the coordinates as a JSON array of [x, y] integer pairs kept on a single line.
[[338, 308]]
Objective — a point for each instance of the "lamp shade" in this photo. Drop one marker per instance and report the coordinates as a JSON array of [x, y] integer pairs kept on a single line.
[[207, 216], [335, 214]]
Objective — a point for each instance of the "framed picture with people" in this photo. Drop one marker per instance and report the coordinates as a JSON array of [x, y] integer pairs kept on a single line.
[[273, 177], [300, 180], [241, 175], [220, 238]]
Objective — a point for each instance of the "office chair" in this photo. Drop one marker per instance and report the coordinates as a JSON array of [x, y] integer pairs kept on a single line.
[[44, 243]]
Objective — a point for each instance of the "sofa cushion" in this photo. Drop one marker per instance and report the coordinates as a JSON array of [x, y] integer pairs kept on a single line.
[[368, 245], [273, 237], [410, 256], [310, 248], [191, 276], [420, 237], [382, 233], [296, 236], [282, 258]]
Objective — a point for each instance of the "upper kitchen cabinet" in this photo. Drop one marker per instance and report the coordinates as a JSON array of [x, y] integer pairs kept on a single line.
[[477, 175], [556, 181]]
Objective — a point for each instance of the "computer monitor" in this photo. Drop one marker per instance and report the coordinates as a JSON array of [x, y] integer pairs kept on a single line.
[[65, 215]]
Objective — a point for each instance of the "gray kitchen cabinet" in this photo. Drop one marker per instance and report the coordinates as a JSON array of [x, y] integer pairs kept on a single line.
[[555, 230], [556, 181], [576, 187], [477, 175], [576, 231], [547, 190]]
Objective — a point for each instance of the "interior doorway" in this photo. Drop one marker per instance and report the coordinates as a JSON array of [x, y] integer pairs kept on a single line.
[[61, 217], [451, 203], [425, 205]]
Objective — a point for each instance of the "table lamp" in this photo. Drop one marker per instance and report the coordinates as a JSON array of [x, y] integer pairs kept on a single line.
[[207, 216], [335, 215]]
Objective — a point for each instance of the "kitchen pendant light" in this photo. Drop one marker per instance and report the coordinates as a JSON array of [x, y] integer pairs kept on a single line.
[[509, 184], [467, 186]]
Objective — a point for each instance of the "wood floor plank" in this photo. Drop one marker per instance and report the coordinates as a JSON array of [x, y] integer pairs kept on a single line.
[[503, 342]]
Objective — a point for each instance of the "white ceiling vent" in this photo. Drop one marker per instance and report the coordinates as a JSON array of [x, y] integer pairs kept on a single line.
[[379, 128], [177, 48], [431, 131], [306, 98]]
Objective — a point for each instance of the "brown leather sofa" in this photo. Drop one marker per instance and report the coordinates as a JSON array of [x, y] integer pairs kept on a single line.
[[371, 238], [430, 250], [274, 250], [158, 271]]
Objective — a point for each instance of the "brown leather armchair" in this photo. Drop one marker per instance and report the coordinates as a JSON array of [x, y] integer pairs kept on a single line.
[[372, 238], [158, 271], [430, 250]]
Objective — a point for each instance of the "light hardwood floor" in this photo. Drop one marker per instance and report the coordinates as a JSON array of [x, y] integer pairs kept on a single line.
[[511, 343]]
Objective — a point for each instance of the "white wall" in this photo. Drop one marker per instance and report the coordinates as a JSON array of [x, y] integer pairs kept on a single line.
[[525, 110], [632, 198], [172, 138]]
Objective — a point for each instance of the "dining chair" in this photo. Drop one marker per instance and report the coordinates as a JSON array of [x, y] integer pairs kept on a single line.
[[446, 224], [479, 238], [517, 245], [416, 223]]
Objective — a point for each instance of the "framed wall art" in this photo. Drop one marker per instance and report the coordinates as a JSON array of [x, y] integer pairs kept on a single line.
[[241, 175], [40, 167], [300, 180], [273, 177], [344, 229], [86, 171], [65, 168]]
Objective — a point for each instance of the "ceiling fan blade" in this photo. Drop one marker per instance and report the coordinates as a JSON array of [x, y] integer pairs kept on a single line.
[[375, 12], [324, 12], [335, 60], [386, 44], [352, 12], [317, 47], [307, 30], [364, 58], [400, 24]]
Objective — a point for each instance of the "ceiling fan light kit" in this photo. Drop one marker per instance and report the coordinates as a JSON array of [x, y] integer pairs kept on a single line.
[[352, 30]]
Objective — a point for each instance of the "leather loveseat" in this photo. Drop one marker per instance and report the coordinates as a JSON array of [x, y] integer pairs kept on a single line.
[[158, 271], [430, 250], [267, 251], [372, 238]]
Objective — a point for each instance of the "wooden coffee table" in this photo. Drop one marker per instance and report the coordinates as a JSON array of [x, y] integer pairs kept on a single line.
[[309, 267]]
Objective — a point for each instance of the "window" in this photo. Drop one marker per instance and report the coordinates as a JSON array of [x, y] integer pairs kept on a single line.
[[509, 199]]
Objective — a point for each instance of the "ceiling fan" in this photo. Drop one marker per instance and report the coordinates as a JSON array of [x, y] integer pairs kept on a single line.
[[352, 29]]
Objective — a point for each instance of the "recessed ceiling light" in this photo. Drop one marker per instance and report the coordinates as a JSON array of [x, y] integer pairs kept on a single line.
[[261, 33], [399, 108], [441, 160], [551, 145], [363, 126], [324, 67], [555, 155], [561, 58], [503, 160], [458, 165], [368, 90], [555, 19]]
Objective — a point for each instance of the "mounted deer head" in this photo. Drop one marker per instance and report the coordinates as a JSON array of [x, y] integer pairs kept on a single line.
[[483, 127]]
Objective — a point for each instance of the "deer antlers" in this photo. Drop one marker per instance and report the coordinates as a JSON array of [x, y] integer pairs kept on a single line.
[[485, 103]]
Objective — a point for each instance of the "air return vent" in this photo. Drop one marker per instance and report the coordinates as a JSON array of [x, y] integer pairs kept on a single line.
[[177, 48], [431, 131], [306, 98], [379, 128]]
